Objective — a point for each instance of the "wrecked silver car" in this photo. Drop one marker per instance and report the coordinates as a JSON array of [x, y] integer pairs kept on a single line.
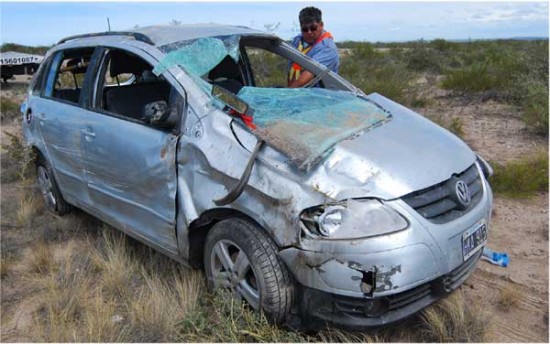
[[316, 205]]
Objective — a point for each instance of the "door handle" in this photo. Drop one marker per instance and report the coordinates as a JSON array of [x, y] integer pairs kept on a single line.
[[88, 133], [42, 118]]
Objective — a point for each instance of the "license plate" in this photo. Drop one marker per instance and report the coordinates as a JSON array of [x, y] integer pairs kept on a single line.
[[474, 239]]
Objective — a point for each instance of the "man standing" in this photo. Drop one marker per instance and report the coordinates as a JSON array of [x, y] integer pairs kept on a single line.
[[316, 43]]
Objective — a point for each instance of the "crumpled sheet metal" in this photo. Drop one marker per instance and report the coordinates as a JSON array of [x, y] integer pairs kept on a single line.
[[390, 271], [306, 123]]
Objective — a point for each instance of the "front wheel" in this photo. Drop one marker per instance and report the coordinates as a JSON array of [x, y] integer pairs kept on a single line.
[[241, 257]]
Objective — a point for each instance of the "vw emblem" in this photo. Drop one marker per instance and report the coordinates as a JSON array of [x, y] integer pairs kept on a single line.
[[463, 193]]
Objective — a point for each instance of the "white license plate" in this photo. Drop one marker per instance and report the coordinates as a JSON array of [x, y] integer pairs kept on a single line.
[[474, 239]]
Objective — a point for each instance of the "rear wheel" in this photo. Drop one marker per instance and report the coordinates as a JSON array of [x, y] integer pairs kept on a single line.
[[241, 257], [49, 189]]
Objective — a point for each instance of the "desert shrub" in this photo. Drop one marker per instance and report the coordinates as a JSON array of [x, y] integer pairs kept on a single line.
[[39, 50], [522, 178], [389, 79], [372, 70], [456, 126], [420, 57], [420, 102], [9, 109], [20, 158], [531, 87], [477, 77], [508, 296], [443, 45], [269, 69], [366, 50], [535, 108]]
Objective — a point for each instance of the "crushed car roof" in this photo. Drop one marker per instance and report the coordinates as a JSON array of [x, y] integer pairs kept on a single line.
[[166, 34], [160, 35]]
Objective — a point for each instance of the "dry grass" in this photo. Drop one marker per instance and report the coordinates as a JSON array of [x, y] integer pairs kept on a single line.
[[454, 320], [157, 309], [117, 264], [62, 304], [6, 265], [41, 258], [109, 290], [26, 211], [508, 296]]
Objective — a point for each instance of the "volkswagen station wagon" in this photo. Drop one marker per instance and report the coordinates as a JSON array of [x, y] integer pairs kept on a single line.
[[317, 205]]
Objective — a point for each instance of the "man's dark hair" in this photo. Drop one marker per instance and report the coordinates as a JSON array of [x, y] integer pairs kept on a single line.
[[310, 14]]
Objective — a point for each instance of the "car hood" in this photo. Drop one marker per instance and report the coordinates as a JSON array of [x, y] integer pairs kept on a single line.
[[403, 154], [406, 154]]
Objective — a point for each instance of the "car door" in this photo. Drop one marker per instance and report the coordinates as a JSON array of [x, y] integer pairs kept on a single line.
[[131, 165], [59, 115]]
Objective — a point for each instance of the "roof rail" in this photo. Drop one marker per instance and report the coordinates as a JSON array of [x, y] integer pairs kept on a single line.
[[137, 36]]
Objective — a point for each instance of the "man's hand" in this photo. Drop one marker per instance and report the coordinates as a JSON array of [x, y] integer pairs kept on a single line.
[[304, 78]]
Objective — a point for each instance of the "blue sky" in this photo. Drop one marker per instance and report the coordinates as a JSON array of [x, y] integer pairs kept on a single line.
[[44, 23]]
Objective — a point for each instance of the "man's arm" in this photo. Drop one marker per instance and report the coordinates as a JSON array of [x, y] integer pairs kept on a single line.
[[305, 77], [326, 54]]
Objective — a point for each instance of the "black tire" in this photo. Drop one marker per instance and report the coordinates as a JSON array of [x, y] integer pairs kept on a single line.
[[265, 284], [49, 188]]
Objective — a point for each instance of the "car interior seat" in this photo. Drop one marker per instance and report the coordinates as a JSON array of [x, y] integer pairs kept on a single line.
[[129, 100]]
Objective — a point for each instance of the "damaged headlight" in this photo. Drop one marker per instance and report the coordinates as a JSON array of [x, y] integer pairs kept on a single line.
[[351, 219]]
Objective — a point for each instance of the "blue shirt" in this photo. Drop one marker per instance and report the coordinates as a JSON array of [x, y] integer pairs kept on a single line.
[[324, 52]]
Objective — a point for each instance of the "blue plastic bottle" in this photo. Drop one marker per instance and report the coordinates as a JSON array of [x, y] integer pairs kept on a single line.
[[496, 258]]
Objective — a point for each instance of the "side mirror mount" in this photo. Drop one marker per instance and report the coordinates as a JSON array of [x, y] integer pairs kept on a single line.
[[159, 114], [229, 99]]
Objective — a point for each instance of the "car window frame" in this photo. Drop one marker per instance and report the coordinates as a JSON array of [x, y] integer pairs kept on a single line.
[[36, 87], [52, 71], [98, 80]]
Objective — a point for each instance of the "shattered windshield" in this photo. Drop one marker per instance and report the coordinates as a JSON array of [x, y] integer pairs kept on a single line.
[[302, 123]]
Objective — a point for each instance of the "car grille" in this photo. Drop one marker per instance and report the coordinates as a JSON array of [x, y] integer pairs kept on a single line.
[[438, 203]]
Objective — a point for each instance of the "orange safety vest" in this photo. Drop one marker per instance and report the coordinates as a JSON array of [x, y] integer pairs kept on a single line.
[[296, 69]]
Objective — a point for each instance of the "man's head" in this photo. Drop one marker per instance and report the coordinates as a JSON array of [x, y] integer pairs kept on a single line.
[[311, 24]]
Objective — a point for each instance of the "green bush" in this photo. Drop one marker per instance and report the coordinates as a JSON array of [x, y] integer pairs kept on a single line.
[[375, 71], [9, 109], [41, 50], [486, 66], [420, 57], [535, 108], [523, 178], [474, 78], [443, 45], [531, 87]]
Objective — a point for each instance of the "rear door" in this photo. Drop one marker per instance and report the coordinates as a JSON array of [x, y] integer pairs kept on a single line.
[[131, 165], [59, 115]]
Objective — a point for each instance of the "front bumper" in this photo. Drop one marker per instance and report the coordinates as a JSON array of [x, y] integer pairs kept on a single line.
[[318, 308]]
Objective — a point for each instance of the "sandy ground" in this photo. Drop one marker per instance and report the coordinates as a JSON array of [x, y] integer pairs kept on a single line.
[[519, 227]]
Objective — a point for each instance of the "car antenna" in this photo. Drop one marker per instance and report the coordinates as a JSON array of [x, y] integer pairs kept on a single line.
[[108, 24]]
